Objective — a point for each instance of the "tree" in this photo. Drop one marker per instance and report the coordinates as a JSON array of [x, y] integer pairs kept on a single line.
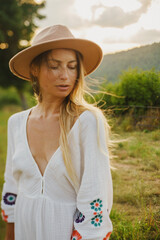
[[17, 27]]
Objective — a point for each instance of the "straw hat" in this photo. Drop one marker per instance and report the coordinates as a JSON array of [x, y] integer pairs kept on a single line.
[[55, 37]]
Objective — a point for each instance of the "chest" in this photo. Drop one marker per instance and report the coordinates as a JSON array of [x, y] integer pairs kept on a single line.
[[43, 140]]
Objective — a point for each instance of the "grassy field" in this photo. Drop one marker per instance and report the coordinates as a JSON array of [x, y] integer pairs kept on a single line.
[[136, 181]]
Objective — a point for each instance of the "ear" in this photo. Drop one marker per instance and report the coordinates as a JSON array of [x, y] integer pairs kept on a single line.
[[34, 70]]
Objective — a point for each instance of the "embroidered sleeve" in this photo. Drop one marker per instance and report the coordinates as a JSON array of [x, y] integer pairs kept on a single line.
[[9, 192], [94, 198]]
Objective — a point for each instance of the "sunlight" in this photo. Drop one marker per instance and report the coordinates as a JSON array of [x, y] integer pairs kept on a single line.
[[38, 1], [84, 8], [113, 37], [151, 20]]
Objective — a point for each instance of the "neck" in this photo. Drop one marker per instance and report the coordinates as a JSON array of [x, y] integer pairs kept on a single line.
[[48, 108]]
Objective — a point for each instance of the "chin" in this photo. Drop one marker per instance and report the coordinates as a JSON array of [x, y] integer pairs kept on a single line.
[[62, 95]]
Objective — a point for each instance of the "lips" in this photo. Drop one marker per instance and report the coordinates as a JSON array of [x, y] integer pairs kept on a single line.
[[63, 87]]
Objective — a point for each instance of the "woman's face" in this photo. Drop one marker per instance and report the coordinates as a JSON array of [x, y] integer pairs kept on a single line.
[[58, 74]]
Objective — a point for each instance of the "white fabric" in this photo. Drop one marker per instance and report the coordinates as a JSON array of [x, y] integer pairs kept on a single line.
[[47, 206]]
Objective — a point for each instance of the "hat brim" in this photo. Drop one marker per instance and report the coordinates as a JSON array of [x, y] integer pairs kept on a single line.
[[91, 52]]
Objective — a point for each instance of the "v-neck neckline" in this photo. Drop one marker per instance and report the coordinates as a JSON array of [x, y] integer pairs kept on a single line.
[[55, 152]]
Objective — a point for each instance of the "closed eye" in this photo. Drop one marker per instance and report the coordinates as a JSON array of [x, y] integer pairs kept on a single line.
[[54, 67], [72, 67]]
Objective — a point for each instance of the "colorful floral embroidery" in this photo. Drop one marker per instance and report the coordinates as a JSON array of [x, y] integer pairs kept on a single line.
[[80, 218], [95, 213], [5, 217], [9, 198], [96, 205], [76, 235], [97, 220], [107, 236]]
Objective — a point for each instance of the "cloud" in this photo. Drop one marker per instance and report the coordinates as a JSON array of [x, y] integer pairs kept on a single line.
[[63, 12], [116, 17], [140, 37], [146, 36]]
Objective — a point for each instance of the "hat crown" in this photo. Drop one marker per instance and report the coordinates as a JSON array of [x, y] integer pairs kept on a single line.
[[51, 33]]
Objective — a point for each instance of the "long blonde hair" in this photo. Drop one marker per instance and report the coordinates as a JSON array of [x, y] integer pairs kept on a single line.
[[71, 108]]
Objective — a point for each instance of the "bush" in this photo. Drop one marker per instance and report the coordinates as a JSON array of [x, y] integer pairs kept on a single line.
[[137, 90], [140, 89], [9, 97], [135, 98]]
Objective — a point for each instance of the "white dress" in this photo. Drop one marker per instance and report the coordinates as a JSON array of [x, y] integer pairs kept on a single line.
[[48, 207]]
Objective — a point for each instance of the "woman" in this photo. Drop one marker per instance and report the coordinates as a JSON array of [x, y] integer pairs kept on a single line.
[[57, 179]]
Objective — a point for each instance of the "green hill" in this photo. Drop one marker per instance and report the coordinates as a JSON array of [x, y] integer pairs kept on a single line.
[[145, 58]]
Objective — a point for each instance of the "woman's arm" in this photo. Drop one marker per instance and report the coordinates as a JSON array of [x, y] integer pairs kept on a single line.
[[94, 197], [9, 231], [9, 192]]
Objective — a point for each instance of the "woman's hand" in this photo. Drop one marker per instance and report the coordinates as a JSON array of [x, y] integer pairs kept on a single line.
[[9, 231]]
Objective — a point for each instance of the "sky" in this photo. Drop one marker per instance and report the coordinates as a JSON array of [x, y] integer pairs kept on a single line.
[[115, 25]]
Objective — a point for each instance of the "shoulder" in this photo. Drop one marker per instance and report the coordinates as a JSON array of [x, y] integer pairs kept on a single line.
[[18, 117], [87, 117], [91, 119]]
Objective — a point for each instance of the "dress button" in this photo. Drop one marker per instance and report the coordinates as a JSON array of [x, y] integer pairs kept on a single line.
[[42, 186]]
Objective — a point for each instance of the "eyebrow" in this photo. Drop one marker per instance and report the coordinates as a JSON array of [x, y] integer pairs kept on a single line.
[[56, 60]]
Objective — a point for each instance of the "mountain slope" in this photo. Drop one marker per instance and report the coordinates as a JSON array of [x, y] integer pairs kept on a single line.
[[145, 57]]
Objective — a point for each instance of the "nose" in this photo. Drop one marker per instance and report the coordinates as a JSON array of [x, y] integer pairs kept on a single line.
[[64, 74]]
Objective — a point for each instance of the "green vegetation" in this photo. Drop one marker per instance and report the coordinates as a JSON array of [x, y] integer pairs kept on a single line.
[[136, 213], [17, 27], [145, 58], [135, 99], [11, 97], [3, 148], [139, 88], [136, 88]]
